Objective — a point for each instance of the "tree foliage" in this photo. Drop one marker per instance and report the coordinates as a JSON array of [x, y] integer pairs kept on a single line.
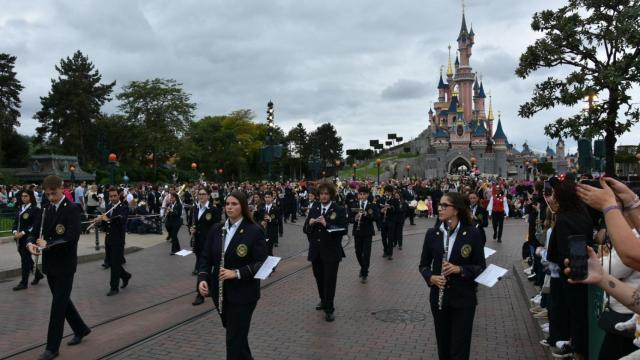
[[162, 111], [71, 108], [325, 143], [597, 41], [10, 89]]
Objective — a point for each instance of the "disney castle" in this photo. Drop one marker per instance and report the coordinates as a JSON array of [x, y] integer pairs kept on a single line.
[[463, 135]]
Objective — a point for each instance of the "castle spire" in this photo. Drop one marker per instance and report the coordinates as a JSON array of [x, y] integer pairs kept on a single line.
[[441, 84], [449, 68], [463, 28], [490, 116]]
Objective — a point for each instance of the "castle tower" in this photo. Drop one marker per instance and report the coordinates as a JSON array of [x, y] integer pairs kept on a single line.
[[490, 117], [442, 89], [464, 77], [500, 148]]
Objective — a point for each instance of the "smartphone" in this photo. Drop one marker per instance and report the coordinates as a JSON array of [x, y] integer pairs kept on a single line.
[[578, 257], [590, 182], [547, 188]]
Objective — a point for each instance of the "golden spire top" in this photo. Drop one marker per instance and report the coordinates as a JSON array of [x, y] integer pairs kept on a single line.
[[449, 67], [490, 116]]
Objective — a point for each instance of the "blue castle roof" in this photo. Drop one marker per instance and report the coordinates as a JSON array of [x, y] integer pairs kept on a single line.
[[499, 134]]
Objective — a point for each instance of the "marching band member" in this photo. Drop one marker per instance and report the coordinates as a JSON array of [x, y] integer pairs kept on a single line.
[[388, 208], [364, 215], [325, 248], [59, 241], [25, 228], [479, 215], [232, 260], [452, 257], [498, 208], [268, 215], [174, 221], [205, 216]]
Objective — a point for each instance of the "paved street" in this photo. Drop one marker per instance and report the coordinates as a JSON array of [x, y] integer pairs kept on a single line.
[[388, 318]]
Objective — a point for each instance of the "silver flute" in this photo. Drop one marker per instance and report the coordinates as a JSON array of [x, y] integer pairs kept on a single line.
[[221, 282], [35, 264], [359, 219], [444, 258]]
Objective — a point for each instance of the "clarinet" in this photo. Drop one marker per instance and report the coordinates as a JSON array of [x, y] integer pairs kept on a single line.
[[359, 219], [35, 264], [444, 258], [221, 282]]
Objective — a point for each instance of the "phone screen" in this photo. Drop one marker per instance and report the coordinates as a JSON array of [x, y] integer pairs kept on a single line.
[[547, 188], [578, 257], [594, 183]]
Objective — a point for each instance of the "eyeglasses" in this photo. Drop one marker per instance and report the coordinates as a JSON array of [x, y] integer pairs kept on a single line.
[[203, 194], [443, 206]]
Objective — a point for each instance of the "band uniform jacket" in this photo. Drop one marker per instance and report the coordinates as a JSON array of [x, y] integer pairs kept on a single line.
[[29, 223], [174, 217], [274, 213], [467, 252], [203, 224], [370, 215], [116, 227], [480, 220], [391, 212], [322, 243], [246, 252], [61, 231]]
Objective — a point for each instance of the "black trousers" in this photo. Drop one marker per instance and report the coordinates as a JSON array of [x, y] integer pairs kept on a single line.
[[412, 215], [26, 262], [115, 265], [614, 347], [497, 220], [454, 327], [398, 233], [270, 244], [363, 253], [388, 233], [558, 312], [326, 274], [62, 309], [173, 233], [236, 318]]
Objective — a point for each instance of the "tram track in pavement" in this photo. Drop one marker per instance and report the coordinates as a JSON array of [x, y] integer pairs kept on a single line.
[[149, 322]]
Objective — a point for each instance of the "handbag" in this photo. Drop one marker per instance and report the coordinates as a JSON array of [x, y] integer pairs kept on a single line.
[[609, 318]]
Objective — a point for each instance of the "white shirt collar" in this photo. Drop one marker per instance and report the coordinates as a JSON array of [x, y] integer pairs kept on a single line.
[[326, 208], [57, 205], [451, 239]]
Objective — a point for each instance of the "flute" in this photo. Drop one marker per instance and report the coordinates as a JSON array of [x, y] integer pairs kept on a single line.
[[35, 264], [444, 258], [107, 213], [221, 282], [359, 219]]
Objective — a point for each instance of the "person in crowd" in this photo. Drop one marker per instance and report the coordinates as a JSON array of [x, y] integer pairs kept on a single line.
[[26, 229]]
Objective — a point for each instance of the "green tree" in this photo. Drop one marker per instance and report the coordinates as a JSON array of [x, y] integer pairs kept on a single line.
[[326, 143], [597, 40], [71, 108], [162, 111], [10, 89], [298, 148], [18, 146], [115, 134]]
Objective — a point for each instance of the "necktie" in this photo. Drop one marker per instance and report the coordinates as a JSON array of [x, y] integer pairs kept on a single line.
[[362, 205], [324, 211]]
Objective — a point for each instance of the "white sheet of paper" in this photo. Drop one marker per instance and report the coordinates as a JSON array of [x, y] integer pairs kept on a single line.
[[491, 275], [488, 252], [336, 230], [184, 252], [267, 267]]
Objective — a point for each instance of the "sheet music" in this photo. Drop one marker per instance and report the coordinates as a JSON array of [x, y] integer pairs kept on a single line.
[[336, 230], [267, 267], [491, 275], [184, 252], [488, 252]]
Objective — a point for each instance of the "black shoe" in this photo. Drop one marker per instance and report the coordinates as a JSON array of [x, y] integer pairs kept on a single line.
[[276, 245], [168, 238], [125, 282], [38, 277], [19, 287], [77, 339], [494, 236], [384, 255], [499, 240], [48, 355], [390, 257], [172, 253], [112, 292], [199, 300], [105, 266], [400, 247], [363, 280], [532, 277], [194, 273], [329, 317], [320, 306]]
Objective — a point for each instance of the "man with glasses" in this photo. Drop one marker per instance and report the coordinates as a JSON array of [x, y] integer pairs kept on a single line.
[[204, 216]]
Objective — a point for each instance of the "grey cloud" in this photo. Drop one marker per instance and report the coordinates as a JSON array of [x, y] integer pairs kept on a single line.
[[404, 89]]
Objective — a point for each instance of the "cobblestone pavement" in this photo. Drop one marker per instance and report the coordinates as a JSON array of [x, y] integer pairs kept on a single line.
[[157, 278], [388, 318]]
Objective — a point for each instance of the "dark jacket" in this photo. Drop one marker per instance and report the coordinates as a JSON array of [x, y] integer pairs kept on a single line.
[[246, 252], [391, 212], [370, 215], [274, 214], [203, 224], [480, 220], [568, 223], [116, 228], [174, 217], [28, 222], [467, 252], [61, 231], [325, 245]]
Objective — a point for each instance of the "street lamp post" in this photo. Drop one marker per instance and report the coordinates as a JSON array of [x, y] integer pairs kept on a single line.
[[526, 170], [113, 158], [269, 141], [337, 162], [194, 168], [473, 165], [535, 168], [72, 169], [408, 168], [378, 163], [354, 170]]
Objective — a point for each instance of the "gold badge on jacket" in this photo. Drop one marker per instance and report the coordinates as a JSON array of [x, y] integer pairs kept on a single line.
[[370, 211], [25, 216], [208, 217], [465, 251], [332, 216], [273, 216], [242, 250], [60, 229]]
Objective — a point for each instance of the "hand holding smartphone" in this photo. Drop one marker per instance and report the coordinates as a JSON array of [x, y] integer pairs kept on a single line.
[[578, 257]]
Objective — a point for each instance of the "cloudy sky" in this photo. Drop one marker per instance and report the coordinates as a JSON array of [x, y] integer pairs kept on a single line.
[[368, 67]]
